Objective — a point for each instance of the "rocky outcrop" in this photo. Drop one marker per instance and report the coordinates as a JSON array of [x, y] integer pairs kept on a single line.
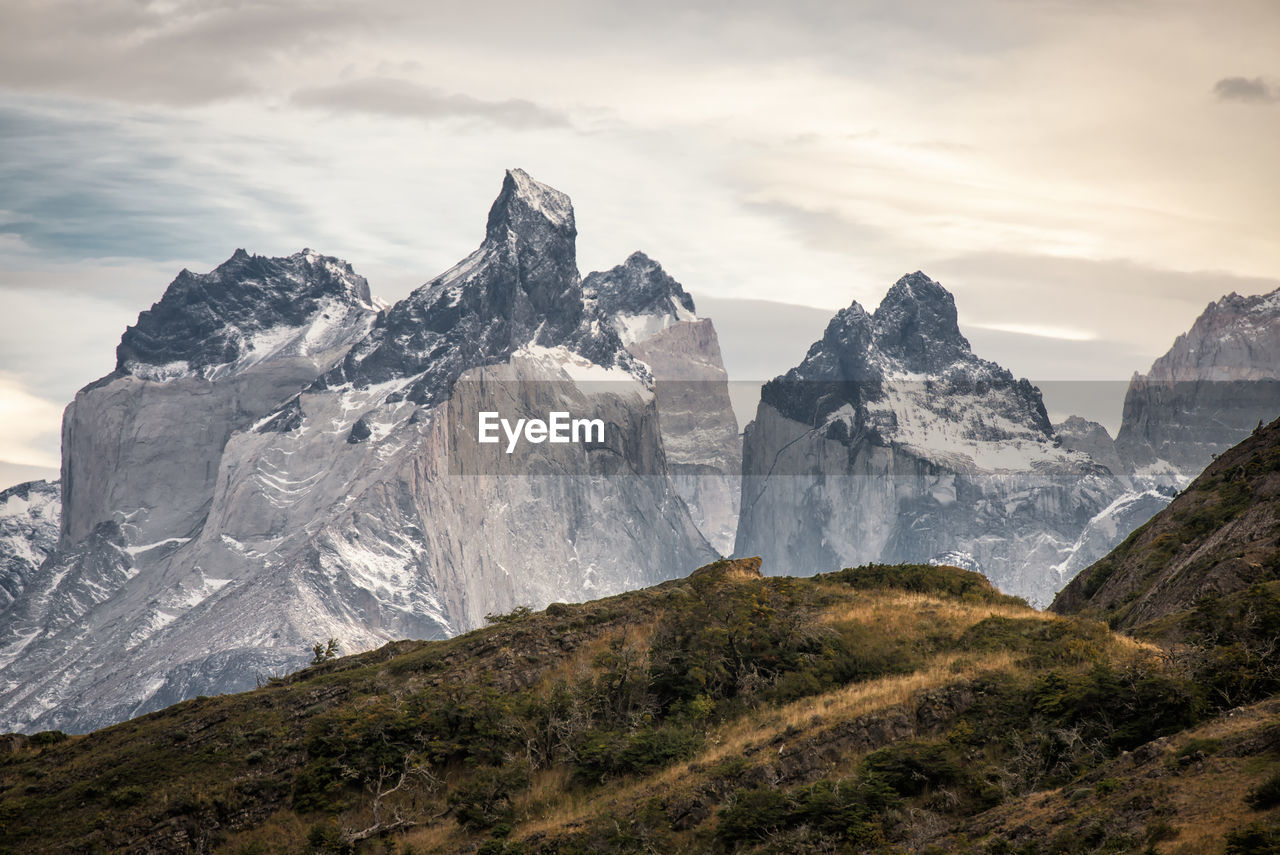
[[656, 320], [333, 484], [893, 442]]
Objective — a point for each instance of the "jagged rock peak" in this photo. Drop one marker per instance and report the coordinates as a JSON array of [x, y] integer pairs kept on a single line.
[[638, 298], [524, 205], [1080, 426], [913, 332], [24, 491], [844, 351], [210, 319], [917, 322], [839, 369], [519, 289], [639, 285], [1234, 338]]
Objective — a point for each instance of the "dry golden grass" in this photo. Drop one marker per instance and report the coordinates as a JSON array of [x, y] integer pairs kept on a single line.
[[578, 664], [1211, 803], [742, 735], [283, 828], [858, 699], [898, 613], [443, 836], [546, 788], [1208, 805], [551, 806]]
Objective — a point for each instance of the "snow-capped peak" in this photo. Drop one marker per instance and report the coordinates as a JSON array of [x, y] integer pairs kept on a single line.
[[917, 322], [906, 376], [247, 309], [638, 298], [525, 206]]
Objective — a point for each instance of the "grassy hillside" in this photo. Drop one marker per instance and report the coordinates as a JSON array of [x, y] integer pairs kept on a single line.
[[1218, 538], [880, 709]]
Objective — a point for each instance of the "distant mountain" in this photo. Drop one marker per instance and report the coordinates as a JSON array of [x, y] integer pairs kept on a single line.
[[1220, 536], [657, 321], [1216, 384], [28, 534], [893, 442], [1078, 434], [277, 460]]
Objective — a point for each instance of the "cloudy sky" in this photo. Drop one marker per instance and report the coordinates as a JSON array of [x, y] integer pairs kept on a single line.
[[1084, 175]]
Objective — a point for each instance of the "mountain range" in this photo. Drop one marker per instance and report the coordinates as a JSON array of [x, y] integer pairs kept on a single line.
[[279, 459], [879, 709]]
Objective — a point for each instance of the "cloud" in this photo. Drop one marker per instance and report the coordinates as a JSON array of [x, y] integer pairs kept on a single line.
[[1041, 331], [823, 228], [16, 473], [1134, 311], [172, 53], [31, 426], [1252, 90], [389, 96], [83, 180]]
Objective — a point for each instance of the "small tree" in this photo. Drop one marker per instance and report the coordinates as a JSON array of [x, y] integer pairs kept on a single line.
[[324, 651]]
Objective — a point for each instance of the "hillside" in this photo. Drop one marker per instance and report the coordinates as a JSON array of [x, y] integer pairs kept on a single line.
[[1218, 538], [877, 709]]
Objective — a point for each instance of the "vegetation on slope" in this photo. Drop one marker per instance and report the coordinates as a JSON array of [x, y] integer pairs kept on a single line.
[[1219, 537], [870, 710]]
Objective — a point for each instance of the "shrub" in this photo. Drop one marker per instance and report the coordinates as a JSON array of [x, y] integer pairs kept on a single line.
[[516, 615], [326, 839], [910, 768], [723, 638], [47, 737], [1122, 707], [924, 579], [1234, 635], [1255, 839], [484, 801], [850, 810], [127, 796], [752, 815], [1266, 795], [605, 754], [1160, 829], [847, 809]]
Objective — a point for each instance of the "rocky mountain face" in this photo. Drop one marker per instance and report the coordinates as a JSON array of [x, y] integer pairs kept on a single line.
[[142, 446], [28, 534], [656, 320], [294, 464], [893, 442], [1218, 537], [1218, 382], [1214, 386]]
